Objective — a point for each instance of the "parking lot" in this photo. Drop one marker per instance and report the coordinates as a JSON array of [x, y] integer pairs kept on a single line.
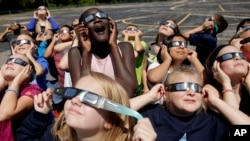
[[188, 14]]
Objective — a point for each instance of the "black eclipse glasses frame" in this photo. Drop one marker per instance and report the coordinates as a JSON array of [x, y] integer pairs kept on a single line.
[[91, 17], [94, 100], [230, 56], [183, 86], [16, 61]]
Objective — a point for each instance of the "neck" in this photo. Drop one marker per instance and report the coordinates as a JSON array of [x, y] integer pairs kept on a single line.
[[101, 50]]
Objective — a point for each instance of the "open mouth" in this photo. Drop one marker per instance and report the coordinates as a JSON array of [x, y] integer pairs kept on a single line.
[[99, 29]]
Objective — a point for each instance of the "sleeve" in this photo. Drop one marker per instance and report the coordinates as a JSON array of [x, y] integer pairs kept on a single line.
[[54, 24], [144, 44], [31, 25], [36, 127]]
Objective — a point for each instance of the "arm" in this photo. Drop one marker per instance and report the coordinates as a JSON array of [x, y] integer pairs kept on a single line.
[[62, 46], [63, 64], [31, 25], [211, 96], [11, 106], [144, 74], [139, 45], [229, 96], [192, 57], [157, 74], [7, 30], [54, 24], [144, 131], [38, 120], [49, 50], [38, 68], [153, 95]]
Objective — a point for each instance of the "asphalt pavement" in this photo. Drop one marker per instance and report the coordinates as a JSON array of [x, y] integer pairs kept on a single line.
[[147, 16]]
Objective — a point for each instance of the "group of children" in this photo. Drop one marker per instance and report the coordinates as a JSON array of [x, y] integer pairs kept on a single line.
[[179, 97]]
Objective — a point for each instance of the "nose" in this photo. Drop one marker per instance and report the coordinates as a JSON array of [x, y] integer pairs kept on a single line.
[[190, 92], [76, 101], [237, 58]]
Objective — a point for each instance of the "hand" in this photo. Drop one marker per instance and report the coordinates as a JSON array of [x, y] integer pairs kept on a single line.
[[56, 37], [75, 22], [156, 92], [8, 30], [207, 25], [210, 95], [246, 79], [220, 75], [48, 14], [164, 53], [113, 30], [82, 34], [236, 42], [191, 55], [35, 14], [31, 51], [138, 33], [43, 101], [125, 34], [24, 76], [144, 131]]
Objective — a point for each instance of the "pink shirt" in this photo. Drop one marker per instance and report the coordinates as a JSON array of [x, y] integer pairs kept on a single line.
[[104, 66], [6, 128]]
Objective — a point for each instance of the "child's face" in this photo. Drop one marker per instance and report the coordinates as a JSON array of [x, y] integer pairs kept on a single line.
[[65, 34], [187, 102], [167, 28], [233, 67], [178, 53], [84, 117]]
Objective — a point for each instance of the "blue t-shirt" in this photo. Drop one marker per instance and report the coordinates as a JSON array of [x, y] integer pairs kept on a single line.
[[198, 127], [205, 43]]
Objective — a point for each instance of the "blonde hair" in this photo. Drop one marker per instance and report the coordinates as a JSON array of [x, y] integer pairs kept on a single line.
[[38, 26], [121, 125]]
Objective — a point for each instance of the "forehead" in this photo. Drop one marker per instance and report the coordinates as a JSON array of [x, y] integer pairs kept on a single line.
[[91, 11], [228, 49], [178, 38], [131, 26], [187, 77], [90, 84], [41, 7], [64, 28], [22, 36]]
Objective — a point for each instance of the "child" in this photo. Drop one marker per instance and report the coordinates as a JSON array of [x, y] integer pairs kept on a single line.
[[183, 115], [133, 35], [204, 36], [81, 121]]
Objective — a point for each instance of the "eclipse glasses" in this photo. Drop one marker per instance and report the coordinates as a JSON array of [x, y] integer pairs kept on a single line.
[[93, 100]]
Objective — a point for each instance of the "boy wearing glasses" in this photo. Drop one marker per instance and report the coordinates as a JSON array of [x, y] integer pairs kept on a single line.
[[133, 35], [204, 35]]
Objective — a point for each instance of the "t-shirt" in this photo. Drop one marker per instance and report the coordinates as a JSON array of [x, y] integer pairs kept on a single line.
[[198, 127]]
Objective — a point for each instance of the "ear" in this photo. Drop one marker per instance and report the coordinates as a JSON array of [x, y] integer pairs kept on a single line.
[[107, 125]]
